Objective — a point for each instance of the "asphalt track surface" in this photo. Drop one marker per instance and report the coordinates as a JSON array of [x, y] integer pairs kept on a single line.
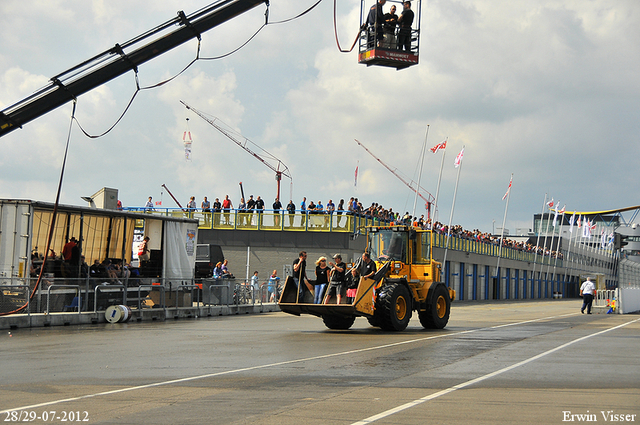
[[502, 362]]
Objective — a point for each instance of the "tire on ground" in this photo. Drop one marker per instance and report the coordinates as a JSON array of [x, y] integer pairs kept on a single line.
[[436, 315], [338, 322], [374, 321], [394, 307]]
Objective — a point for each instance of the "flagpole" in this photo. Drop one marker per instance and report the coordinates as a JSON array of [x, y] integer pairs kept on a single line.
[[555, 263], [453, 205], [535, 257], [571, 223], [435, 201], [424, 149], [504, 220], [545, 242]]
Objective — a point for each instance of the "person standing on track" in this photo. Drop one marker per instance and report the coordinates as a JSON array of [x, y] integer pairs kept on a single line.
[[587, 292]]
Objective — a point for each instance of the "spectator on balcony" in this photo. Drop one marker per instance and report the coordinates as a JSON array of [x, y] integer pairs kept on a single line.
[[340, 210], [242, 207], [251, 205], [291, 208], [226, 206], [217, 208], [303, 210], [260, 209], [277, 206], [148, 207]]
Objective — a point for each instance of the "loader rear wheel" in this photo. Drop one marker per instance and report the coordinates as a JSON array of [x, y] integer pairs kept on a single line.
[[394, 307], [338, 322], [436, 315]]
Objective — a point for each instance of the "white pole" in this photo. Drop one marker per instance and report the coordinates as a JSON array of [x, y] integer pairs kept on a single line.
[[248, 253], [535, 257], [424, 149], [435, 201], [453, 205], [555, 263], [504, 221], [566, 260]]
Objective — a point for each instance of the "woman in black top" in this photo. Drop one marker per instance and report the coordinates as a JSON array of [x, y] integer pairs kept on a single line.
[[322, 278]]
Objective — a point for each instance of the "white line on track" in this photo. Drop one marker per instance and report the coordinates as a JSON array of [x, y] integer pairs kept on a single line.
[[246, 369], [482, 378]]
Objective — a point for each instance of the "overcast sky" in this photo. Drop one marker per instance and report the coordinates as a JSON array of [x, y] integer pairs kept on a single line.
[[546, 90]]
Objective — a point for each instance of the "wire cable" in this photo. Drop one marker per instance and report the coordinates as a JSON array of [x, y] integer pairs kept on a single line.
[[197, 58], [335, 30]]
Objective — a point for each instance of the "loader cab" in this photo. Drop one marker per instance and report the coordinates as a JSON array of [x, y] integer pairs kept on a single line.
[[382, 43], [400, 243], [389, 243]]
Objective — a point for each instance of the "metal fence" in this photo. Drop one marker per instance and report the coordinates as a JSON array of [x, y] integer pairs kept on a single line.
[[62, 295]]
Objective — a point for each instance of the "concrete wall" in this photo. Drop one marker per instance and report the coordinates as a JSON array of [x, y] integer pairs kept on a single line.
[[473, 276], [269, 250], [629, 300]]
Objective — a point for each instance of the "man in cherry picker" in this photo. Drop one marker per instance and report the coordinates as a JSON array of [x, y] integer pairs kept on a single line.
[[390, 23], [375, 19], [405, 21]]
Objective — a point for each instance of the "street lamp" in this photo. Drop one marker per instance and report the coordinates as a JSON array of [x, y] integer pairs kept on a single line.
[[89, 199]]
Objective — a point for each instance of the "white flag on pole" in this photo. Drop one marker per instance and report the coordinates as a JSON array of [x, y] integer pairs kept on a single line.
[[458, 160], [571, 221]]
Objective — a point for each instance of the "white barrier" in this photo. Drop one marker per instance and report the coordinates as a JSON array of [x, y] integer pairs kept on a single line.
[[629, 300], [608, 298]]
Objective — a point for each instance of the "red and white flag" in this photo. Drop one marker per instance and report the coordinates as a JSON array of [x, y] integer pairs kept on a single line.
[[439, 146], [458, 160], [508, 189], [550, 204]]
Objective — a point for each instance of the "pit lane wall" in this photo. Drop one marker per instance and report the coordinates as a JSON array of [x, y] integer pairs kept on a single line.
[[629, 287]]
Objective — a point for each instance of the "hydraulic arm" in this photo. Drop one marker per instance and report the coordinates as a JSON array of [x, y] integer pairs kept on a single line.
[[120, 59]]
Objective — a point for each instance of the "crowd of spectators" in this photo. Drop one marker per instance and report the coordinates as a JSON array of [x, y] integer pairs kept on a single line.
[[484, 237], [386, 215]]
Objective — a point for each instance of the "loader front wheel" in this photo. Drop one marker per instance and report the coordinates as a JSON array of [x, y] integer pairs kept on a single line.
[[338, 322], [394, 304], [436, 316]]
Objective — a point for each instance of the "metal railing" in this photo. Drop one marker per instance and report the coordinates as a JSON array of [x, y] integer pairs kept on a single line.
[[78, 296], [223, 288], [89, 295], [107, 288], [309, 221], [457, 243]]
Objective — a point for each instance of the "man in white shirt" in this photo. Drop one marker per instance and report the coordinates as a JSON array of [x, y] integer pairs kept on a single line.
[[587, 292]]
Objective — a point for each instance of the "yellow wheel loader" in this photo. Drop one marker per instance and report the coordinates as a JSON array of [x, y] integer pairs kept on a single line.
[[407, 280]]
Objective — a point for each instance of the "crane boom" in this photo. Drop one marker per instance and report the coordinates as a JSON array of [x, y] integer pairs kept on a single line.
[[265, 157], [114, 62], [418, 189]]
